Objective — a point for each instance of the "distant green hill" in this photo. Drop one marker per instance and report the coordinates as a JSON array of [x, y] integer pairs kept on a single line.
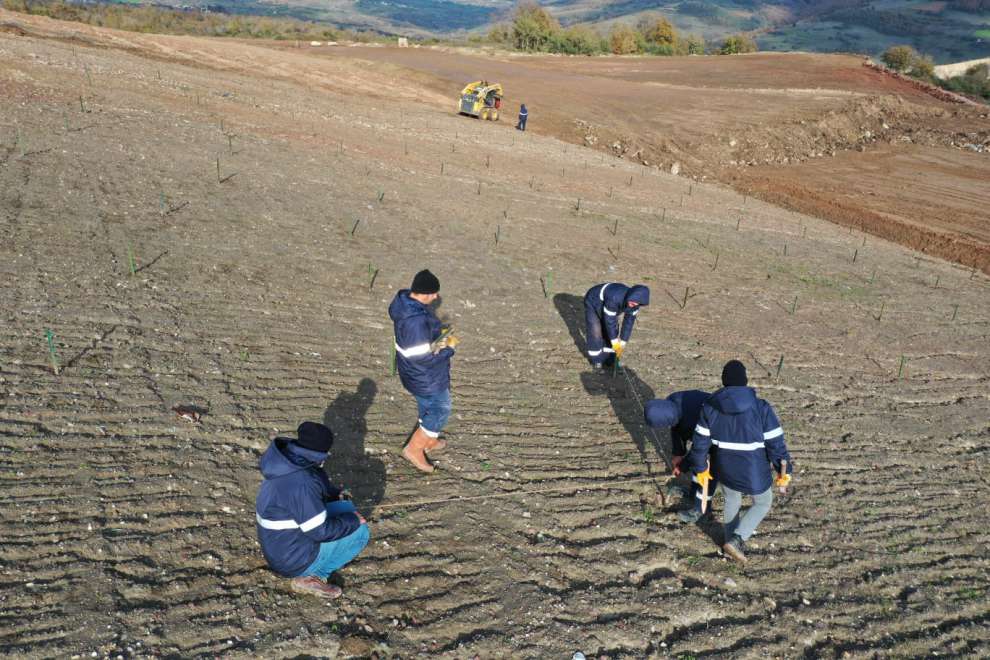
[[948, 30]]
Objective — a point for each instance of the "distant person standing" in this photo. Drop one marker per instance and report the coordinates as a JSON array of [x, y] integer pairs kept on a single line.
[[747, 433], [306, 528], [602, 305], [523, 114], [422, 357]]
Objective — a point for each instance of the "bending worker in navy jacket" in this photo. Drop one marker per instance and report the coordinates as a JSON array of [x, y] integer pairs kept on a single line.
[[680, 412], [423, 361], [602, 305], [305, 529], [747, 434]]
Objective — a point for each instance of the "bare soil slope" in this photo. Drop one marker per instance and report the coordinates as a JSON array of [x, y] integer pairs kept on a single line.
[[255, 193], [739, 119]]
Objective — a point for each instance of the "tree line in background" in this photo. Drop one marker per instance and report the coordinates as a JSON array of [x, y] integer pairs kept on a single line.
[[904, 59], [145, 18], [534, 29]]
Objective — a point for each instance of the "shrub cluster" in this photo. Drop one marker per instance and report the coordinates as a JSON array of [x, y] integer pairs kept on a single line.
[[534, 29], [904, 59]]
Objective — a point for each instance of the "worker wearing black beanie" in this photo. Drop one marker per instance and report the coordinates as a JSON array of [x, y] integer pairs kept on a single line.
[[423, 349]]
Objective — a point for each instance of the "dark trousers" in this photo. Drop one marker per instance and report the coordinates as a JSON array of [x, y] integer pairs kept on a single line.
[[522, 123], [598, 350]]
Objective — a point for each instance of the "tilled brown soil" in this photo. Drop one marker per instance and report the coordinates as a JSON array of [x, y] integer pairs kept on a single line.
[[773, 125], [129, 531]]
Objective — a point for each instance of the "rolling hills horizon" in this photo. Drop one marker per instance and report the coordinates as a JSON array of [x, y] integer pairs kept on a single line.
[[948, 31]]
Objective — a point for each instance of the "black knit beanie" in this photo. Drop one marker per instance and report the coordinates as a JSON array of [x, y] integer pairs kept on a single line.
[[425, 282], [314, 436], [734, 373]]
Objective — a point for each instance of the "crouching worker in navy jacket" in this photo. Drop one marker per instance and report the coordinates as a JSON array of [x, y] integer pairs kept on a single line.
[[423, 362], [305, 529], [602, 305], [680, 412], [745, 433]]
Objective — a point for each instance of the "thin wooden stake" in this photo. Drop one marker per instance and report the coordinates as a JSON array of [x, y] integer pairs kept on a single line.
[[738, 221], [794, 306], [354, 228], [780, 365], [855, 254]]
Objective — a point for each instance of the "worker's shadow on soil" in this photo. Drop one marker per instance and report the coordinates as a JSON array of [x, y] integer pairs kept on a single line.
[[348, 466], [624, 389]]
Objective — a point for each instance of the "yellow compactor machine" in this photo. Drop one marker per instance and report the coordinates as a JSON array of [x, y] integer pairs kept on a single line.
[[481, 99]]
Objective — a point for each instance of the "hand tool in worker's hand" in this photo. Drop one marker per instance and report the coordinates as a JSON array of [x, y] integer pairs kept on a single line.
[[703, 479], [783, 479]]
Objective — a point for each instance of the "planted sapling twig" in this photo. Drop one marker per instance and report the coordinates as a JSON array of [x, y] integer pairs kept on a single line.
[[372, 276], [855, 254], [131, 261], [391, 358], [883, 303], [794, 306], [955, 310], [780, 365], [354, 228], [738, 221], [900, 369], [381, 196], [498, 231], [52, 354], [547, 284], [161, 204], [715, 265]]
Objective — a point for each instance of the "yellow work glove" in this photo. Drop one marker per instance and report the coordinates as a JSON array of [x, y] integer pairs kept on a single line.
[[452, 341], [782, 481], [704, 477], [618, 346]]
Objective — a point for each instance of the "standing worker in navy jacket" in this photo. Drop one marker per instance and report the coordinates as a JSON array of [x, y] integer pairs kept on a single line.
[[422, 356], [747, 434], [305, 529], [602, 305], [680, 412], [523, 116]]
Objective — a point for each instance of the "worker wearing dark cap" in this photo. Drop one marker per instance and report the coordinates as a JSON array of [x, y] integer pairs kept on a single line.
[[747, 433], [305, 529], [422, 356]]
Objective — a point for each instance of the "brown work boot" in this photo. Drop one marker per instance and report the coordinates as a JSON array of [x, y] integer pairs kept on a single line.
[[734, 548], [414, 451], [435, 445], [310, 584]]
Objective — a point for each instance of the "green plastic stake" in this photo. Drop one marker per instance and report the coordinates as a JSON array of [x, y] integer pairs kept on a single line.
[[52, 355], [161, 204]]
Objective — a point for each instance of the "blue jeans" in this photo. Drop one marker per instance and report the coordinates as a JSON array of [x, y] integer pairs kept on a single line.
[[434, 410], [334, 555], [746, 524]]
